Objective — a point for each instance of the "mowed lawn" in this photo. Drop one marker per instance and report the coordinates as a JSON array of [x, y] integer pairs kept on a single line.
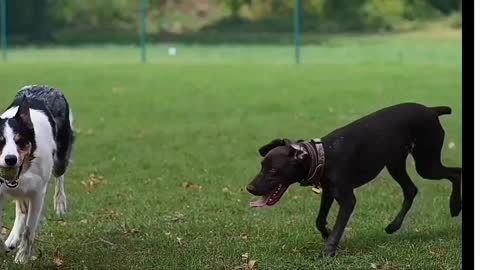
[[165, 150]]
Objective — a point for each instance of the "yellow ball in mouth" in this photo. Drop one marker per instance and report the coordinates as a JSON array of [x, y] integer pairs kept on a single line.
[[9, 174]]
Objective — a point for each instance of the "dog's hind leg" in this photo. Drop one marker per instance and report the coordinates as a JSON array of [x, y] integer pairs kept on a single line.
[[399, 173], [427, 155], [434, 170], [60, 197]]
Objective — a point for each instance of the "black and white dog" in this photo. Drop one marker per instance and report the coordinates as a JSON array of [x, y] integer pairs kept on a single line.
[[36, 140]]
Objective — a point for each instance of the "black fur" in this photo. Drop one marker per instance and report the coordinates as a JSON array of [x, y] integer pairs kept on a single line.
[[356, 153]]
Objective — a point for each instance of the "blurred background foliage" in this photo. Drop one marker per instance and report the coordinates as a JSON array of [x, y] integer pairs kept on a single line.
[[118, 21]]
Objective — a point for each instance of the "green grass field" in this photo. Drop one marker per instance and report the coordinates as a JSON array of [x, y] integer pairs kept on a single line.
[[144, 131]]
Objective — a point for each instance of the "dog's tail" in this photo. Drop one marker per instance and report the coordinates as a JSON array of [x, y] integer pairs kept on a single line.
[[441, 110]]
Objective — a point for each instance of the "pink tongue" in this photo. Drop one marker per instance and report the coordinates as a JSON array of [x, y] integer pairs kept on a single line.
[[259, 203]]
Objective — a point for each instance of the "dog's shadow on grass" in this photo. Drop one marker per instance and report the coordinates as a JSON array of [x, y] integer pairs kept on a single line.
[[378, 241]]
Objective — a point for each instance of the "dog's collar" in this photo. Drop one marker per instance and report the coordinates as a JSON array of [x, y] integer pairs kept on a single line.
[[314, 149]]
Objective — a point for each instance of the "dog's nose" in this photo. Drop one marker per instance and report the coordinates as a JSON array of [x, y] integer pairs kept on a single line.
[[11, 160]]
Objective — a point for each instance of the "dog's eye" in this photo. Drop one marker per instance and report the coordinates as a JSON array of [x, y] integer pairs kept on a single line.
[[2, 140], [21, 143]]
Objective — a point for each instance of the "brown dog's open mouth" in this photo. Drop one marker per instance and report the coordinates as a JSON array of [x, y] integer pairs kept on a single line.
[[272, 198]]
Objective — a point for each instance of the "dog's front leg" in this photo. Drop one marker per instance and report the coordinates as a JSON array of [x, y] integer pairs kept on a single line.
[[35, 208], [346, 200], [327, 200], [3, 249], [15, 235]]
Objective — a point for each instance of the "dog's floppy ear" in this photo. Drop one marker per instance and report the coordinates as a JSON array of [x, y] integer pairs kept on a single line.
[[23, 113], [297, 152], [277, 142]]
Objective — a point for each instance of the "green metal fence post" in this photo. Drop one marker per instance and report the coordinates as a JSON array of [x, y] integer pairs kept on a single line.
[[3, 7], [298, 29], [143, 37]]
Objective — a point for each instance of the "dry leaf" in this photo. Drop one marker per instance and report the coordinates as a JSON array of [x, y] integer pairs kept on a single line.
[[4, 232], [93, 181], [127, 229], [62, 223], [191, 185], [252, 265], [124, 196], [226, 190], [111, 214], [58, 258], [177, 217], [146, 132]]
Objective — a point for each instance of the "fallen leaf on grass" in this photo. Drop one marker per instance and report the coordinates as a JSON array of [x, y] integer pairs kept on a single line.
[[4, 232], [111, 214], [247, 263], [226, 190], [245, 256], [58, 258], [177, 217], [93, 181], [62, 223], [252, 265], [127, 229], [190, 185], [146, 132], [385, 266], [124, 196]]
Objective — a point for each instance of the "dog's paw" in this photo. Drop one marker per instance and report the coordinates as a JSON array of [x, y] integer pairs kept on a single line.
[[392, 227], [12, 243], [61, 205], [330, 251], [24, 253]]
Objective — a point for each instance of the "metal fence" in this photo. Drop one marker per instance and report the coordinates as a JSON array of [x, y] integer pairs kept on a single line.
[[297, 21]]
